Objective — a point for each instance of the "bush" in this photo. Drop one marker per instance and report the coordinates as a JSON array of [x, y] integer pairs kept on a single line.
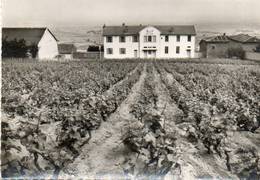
[[33, 50], [237, 52], [95, 49], [18, 49]]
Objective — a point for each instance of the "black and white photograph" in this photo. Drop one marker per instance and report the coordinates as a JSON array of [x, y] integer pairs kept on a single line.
[[130, 89]]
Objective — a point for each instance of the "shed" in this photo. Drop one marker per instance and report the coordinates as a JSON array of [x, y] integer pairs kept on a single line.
[[217, 46], [66, 50], [45, 40]]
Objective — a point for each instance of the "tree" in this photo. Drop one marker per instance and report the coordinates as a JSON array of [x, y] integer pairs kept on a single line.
[[93, 49], [18, 49], [33, 50]]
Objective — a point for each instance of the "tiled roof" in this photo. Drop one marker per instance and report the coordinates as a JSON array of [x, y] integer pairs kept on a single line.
[[244, 38], [134, 30], [66, 48], [222, 39], [30, 35]]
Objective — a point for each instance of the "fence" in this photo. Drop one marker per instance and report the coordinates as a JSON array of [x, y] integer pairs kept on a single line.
[[88, 55], [197, 54], [253, 56]]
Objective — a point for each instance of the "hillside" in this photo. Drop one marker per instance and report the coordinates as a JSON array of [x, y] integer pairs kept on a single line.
[[83, 36]]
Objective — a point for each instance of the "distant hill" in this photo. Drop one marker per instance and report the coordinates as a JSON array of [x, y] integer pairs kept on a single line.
[[83, 36]]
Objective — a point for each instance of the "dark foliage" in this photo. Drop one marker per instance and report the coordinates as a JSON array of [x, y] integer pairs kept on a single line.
[[95, 49], [33, 49], [18, 49]]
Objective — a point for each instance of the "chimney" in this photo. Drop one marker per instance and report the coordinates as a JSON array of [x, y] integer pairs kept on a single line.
[[224, 34], [140, 25], [104, 26]]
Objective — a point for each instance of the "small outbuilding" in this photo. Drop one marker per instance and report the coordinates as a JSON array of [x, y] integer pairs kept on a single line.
[[66, 51], [42, 38], [217, 46]]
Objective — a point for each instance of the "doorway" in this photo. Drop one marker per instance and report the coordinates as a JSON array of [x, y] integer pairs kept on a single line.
[[149, 54], [135, 54], [188, 53]]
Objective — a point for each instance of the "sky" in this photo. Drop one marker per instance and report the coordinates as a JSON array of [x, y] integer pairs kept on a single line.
[[115, 12]]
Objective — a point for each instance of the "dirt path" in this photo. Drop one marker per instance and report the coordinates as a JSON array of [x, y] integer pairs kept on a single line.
[[105, 152], [165, 104]]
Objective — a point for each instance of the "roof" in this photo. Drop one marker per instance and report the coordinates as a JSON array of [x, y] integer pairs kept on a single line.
[[66, 48], [244, 38], [134, 30], [217, 39], [30, 35]]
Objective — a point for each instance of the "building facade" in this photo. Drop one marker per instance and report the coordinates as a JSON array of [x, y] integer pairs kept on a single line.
[[46, 42], [122, 42], [217, 46]]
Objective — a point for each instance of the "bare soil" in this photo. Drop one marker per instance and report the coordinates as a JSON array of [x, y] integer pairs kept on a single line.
[[105, 153]]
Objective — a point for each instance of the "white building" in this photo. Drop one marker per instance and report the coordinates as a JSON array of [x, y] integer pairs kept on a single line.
[[149, 42], [46, 42]]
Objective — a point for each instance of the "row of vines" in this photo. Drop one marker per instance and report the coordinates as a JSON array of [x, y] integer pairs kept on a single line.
[[219, 103], [50, 110]]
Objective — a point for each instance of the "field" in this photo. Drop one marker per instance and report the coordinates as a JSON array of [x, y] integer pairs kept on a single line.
[[136, 119]]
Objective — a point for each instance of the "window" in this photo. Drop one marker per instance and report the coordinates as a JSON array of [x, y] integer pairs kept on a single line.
[[213, 47], [122, 50], [135, 53], [178, 38], [109, 51], [189, 38], [149, 38], [166, 49], [145, 38], [177, 49], [109, 39], [154, 38], [166, 38], [135, 39], [122, 39]]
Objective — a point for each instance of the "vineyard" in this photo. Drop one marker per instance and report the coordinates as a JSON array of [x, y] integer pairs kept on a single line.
[[133, 119]]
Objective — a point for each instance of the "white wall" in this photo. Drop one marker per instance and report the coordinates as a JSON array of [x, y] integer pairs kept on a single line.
[[66, 56], [48, 47], [159, 45], [253, 55], [149, 31], [116, 45], [183, 44]]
